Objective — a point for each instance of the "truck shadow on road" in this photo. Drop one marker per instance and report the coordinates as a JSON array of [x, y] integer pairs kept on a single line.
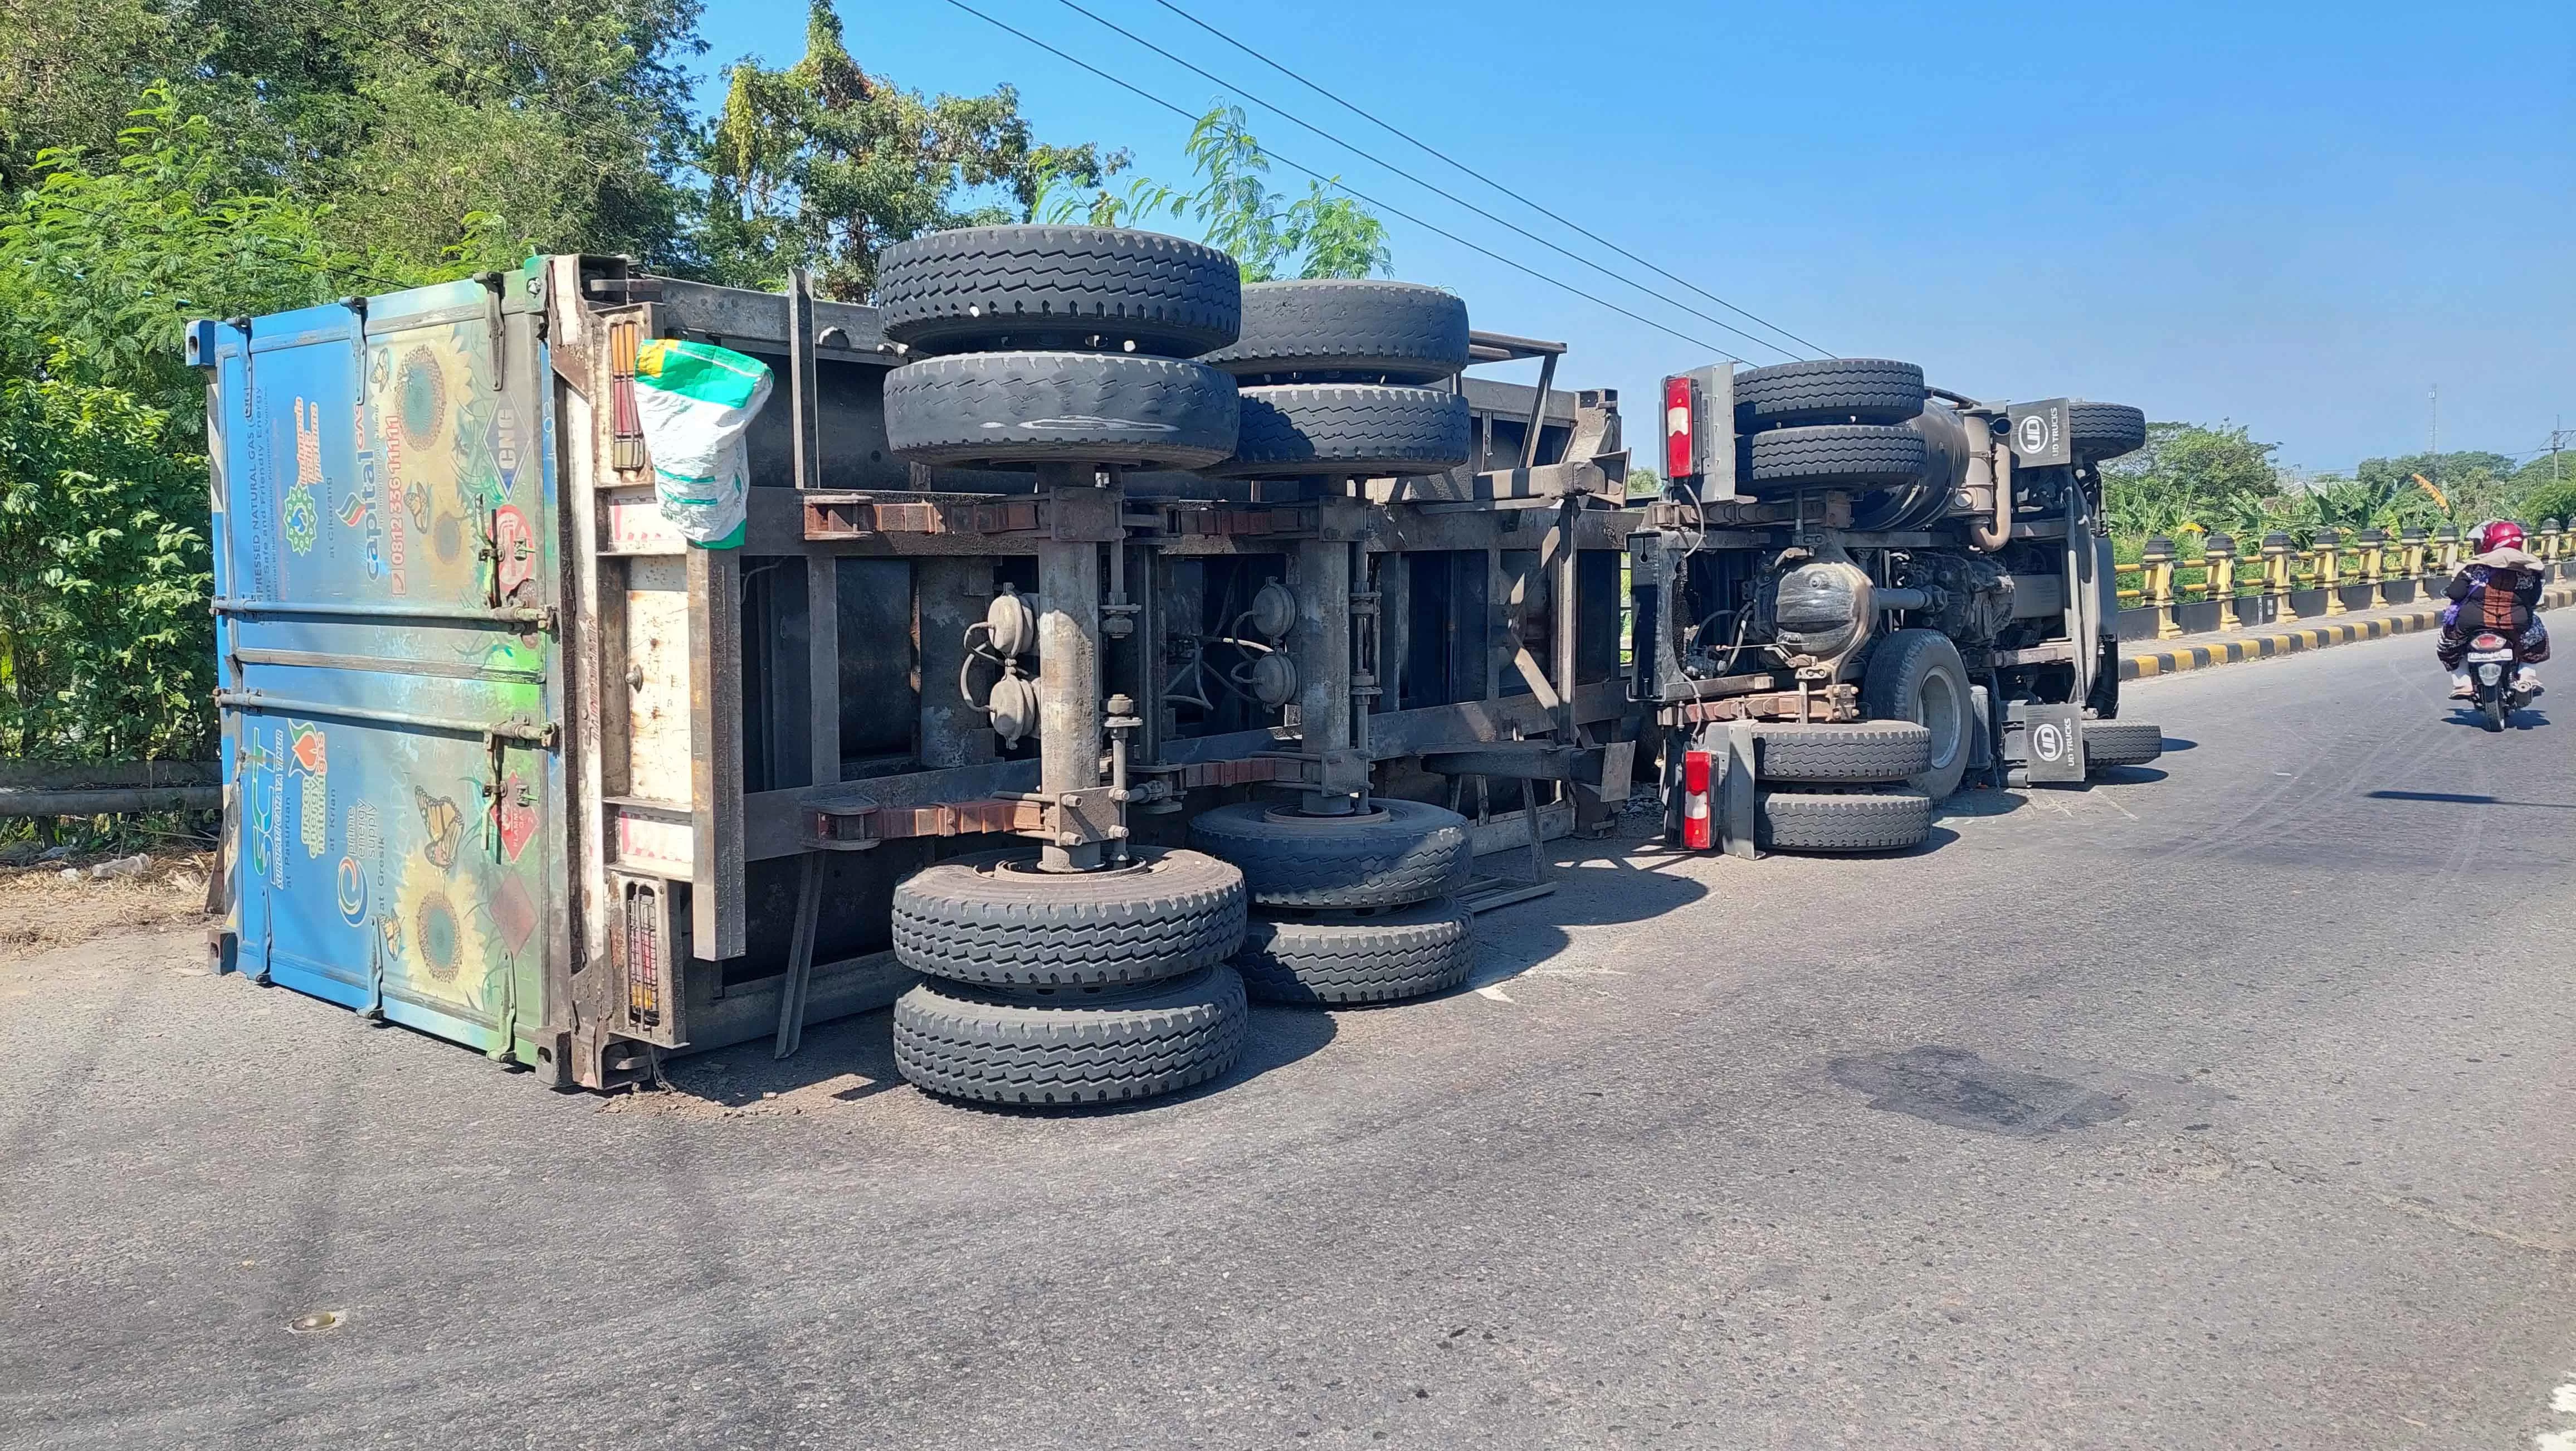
[[1604, 886]]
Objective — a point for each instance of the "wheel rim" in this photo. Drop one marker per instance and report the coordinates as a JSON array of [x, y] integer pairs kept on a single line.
[[1938, 711]]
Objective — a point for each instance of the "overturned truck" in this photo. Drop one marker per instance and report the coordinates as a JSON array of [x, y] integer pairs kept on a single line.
[[1073, 556], [1100, 639], [1860, 589]]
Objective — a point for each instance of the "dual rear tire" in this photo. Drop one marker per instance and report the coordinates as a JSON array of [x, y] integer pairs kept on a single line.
[[1085, 345], [1349, 910], [1871, 785], [1059, 345], [1044, 989], [1070, 1046]]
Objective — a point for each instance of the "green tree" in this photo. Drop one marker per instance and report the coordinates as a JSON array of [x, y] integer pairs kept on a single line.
[[438, 129], [2463, 486], [2545, 488], [1325, 233], [101, 265], [2192, 478], [106, 647], [823, 165]]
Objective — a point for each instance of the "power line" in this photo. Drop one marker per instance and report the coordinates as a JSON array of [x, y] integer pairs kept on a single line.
[[1431, 187], [1427, 147], [1354, 192]]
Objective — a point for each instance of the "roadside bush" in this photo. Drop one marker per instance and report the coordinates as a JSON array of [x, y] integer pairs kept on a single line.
[[106, 645]]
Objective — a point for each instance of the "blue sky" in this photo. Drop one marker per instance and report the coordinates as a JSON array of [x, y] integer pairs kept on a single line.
[[2297, 217]]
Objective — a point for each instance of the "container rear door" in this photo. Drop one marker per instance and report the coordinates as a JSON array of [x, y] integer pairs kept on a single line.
[[390, 681]]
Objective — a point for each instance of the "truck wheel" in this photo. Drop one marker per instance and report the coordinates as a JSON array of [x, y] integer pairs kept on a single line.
[[1357, 957], [1828, 390], [1103, 1046], [2100, 431], [998, 921], [1085, 289], [1030, 408], [1367, 429], [1864, 751], [1396, 854], [1916, 675], [1347, 331], [1866, 455], [2110, 743], [1854, 821]]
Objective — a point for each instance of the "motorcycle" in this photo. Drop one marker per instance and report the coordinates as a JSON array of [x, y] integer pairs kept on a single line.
[[2491, 679]]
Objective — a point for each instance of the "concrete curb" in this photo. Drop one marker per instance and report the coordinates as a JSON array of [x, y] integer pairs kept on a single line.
[[2175, 656]]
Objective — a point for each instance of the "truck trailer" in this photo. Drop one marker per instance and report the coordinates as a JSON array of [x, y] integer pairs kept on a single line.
[[1102, 636]]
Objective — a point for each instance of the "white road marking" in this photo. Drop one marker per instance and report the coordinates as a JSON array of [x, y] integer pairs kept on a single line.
[[1498, 995], [2563, 1402]]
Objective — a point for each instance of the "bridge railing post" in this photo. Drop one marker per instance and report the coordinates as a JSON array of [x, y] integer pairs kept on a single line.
[[2553, 544], [2276, 577], [2218, 555], [2410, 556], [2158, 557], [2374, 562], [2448, 537], [2330, 569]]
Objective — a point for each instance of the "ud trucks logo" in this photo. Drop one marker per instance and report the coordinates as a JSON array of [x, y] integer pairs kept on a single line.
[[2048, 742], [2039, 433]]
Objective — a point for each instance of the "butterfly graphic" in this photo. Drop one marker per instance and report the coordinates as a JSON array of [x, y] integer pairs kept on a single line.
[[445, 825]]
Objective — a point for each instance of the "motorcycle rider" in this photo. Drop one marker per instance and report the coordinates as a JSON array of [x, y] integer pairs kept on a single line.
[[2497, 590]]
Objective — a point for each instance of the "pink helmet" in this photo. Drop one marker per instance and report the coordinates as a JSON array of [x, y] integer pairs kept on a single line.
[[2498, 534]]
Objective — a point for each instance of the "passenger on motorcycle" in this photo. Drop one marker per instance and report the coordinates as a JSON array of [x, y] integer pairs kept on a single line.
[[2498, 590]]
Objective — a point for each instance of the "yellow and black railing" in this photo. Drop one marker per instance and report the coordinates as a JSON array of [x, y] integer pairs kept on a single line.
[[2265, 586]]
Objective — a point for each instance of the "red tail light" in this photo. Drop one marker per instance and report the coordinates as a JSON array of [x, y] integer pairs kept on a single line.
[[2487, 642], [1695, 816], [1680, 424]]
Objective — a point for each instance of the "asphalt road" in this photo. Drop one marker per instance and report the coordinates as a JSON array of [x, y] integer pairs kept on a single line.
[[2226, 1106]]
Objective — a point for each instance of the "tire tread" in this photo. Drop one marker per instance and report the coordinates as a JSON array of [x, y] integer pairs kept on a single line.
[[1346, 957], [980, 288], [1864, 454], [958, 922], [1294, 429], [1000, 1048], [1828, 390], [1844, 821], [1423, 852]]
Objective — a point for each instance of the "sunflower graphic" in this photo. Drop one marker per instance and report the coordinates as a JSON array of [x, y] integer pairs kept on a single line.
[[421, 403], [445, 947]]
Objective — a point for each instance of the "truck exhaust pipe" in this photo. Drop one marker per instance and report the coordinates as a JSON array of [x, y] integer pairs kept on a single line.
[[1988, 490]]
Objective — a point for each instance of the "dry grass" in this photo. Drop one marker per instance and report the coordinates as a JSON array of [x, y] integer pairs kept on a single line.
[[40, 911]]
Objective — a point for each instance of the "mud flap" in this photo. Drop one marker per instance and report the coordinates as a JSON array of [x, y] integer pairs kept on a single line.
[[2044, 744]]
